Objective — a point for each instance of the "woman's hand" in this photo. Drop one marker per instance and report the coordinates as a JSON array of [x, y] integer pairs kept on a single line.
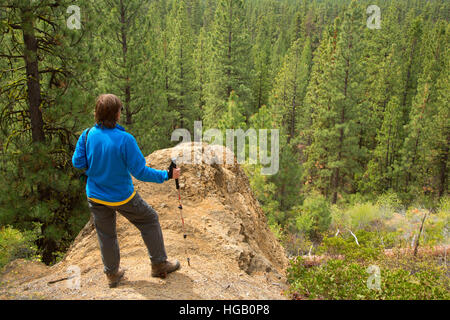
[[176, 173]]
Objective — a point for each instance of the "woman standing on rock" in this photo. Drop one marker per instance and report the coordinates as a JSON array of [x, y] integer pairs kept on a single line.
[[110, 154]]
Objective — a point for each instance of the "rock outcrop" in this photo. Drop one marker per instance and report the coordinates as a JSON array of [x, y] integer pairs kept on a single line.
[[233, 253]]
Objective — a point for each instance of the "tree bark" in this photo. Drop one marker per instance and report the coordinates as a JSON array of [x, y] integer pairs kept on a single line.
[[32, 72], [230, 39], [127, 89], [337, 178], [443, 170]]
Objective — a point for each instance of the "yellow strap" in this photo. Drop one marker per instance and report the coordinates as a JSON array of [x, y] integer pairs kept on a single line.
[[114, 203]]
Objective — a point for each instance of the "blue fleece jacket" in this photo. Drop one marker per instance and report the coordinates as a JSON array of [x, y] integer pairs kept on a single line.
[[112, 154]]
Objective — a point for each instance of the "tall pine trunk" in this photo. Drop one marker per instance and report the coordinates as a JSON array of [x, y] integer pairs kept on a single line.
[[127, 89], [32, 71], [443, 170]]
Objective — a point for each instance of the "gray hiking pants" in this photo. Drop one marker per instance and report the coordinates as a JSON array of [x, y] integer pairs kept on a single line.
[[141, 215]]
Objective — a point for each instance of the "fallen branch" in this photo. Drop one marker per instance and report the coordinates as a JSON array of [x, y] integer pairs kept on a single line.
[[309, 253], [337, 232], [420, 232], [356, 239]]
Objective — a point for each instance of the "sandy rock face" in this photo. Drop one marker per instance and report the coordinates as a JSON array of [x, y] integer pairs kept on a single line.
[[233, 253]]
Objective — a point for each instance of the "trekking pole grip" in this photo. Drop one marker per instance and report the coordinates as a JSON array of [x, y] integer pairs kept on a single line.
[[172, 166]]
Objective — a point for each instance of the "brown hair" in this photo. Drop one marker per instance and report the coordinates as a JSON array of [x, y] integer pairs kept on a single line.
[[106, 108]]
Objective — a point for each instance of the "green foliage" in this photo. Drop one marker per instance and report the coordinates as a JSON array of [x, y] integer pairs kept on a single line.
[[233, 117], [41, 117], [425, 149], [229, 68], [288, 179], [48, 195], [180, 68], [344, 272], [276, 229], [314, 216], [368, 248], [265, 193], [435, 228], [334, 153], [338, 279], [389, 201], [15, 244], [364, 215]]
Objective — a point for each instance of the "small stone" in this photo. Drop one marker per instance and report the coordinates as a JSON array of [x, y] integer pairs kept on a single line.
[[163, 205]]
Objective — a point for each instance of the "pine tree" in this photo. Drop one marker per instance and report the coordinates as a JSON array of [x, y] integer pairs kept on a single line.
[[382, 131], [180, 65], [195, 14], [382, 171], [200, 56], [262, 64], [45, 103], [290, 115], [319, 97], [153, 125], [265, 190], [124, 26], [425, 150], [335, 148], [233, 117], [382, 80], [229, 69], [440, 130], [412, 58]]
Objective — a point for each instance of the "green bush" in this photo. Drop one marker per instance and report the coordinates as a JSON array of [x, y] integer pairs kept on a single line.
[[390, 202], [346, 246], [313, 216], [339, 279], [15, 244], [364, 215], [276, 228]]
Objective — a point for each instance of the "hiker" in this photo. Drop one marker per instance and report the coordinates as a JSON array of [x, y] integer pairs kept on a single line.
[[109, 154]]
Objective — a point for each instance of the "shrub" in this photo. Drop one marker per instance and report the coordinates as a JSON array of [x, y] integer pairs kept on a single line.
[[367, 250], [389, 202], [15, 244], [314, 216], [364, 215], [338, 279], [276, 228]]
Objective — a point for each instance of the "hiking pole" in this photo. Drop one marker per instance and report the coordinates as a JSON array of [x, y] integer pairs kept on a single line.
[[173, 165]]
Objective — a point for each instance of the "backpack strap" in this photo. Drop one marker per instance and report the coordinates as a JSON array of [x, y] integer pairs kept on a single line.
[[85, 147]]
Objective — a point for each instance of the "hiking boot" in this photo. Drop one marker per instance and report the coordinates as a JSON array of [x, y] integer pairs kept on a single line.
[[162, 269], [114, 278]]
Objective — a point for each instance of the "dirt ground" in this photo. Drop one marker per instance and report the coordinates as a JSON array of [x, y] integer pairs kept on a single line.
[[233, 253]]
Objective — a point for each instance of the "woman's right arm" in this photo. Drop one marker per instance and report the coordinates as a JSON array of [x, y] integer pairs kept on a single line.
[[79, 156]]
